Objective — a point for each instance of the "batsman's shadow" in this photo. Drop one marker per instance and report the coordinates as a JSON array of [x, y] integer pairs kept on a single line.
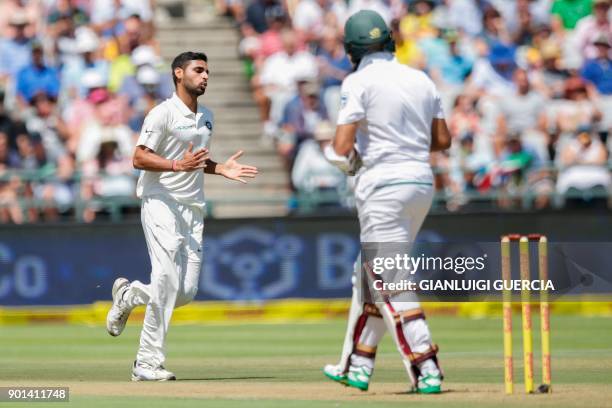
[[227, 378], [414, 393]]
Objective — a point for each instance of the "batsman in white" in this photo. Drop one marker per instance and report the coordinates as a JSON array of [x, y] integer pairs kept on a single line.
[[390, 119], [172, 152]]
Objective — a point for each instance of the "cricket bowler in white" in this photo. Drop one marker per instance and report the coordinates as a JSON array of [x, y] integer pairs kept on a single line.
[[390, 119], [172, 154]]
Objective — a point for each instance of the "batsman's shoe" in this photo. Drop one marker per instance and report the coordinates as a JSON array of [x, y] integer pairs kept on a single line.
[[145, 372], [335, 373], [119, 312], [430, 383], [359, 377]]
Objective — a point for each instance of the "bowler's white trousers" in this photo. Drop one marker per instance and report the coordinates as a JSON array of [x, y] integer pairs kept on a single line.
[[174, 234]]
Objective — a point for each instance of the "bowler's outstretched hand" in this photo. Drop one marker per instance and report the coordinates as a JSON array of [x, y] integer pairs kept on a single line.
[[233, 170]]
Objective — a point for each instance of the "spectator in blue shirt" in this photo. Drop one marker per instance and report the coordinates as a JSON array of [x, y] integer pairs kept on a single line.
[[37, 77], [300, 117], [256, 14], [445, 62], [598, 71], [334, 65], [133, 87]]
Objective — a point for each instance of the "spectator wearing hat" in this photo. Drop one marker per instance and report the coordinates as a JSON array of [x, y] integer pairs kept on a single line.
[[37, 77], [312, 172], [592, 28], [549, 80], [146, 79], [493, 75], [15, 51], [145, 94], [582, 163], [576, 109], [598, 70], [299, 120], [87, 46], [29, 10]]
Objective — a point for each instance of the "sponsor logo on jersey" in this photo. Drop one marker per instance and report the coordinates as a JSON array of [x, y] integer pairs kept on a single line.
[[343, 100], [208, 125]]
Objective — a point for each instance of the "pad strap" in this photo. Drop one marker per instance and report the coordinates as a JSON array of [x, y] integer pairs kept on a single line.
[[365, 351], [418, 358], [371, 310], [409, 315]]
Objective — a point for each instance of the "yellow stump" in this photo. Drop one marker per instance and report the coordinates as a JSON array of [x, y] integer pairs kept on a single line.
[[526, 315], [507, 318], [544, 313]]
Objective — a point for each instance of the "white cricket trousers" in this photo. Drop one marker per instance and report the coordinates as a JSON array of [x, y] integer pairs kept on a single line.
[[174, 234], [395, 213], [390, 210]]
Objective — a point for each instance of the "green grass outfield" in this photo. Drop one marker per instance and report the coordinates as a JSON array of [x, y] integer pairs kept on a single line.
[[268, 365]]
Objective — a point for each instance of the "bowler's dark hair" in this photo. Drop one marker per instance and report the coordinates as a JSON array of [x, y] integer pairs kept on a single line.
[[183, 59]]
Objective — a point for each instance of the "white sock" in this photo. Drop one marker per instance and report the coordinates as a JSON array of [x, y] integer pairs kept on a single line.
[[360, 361], [428, 367]]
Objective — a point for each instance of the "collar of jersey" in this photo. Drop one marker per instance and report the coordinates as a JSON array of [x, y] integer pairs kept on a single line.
[[375, 57], [178, 102]]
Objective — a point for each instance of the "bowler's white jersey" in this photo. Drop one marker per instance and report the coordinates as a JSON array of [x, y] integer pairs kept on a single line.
[[394, 105], [167, 130]]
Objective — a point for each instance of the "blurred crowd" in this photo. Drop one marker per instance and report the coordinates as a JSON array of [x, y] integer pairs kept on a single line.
[[77, 78], [526, 84]]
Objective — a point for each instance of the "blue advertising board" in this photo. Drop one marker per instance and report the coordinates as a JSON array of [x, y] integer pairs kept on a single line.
[[252, 259]]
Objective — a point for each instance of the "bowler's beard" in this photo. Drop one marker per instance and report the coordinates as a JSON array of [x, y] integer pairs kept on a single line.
[[195, 90]]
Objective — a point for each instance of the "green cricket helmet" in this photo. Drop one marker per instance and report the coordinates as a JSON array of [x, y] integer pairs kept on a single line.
[[364, 31]]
